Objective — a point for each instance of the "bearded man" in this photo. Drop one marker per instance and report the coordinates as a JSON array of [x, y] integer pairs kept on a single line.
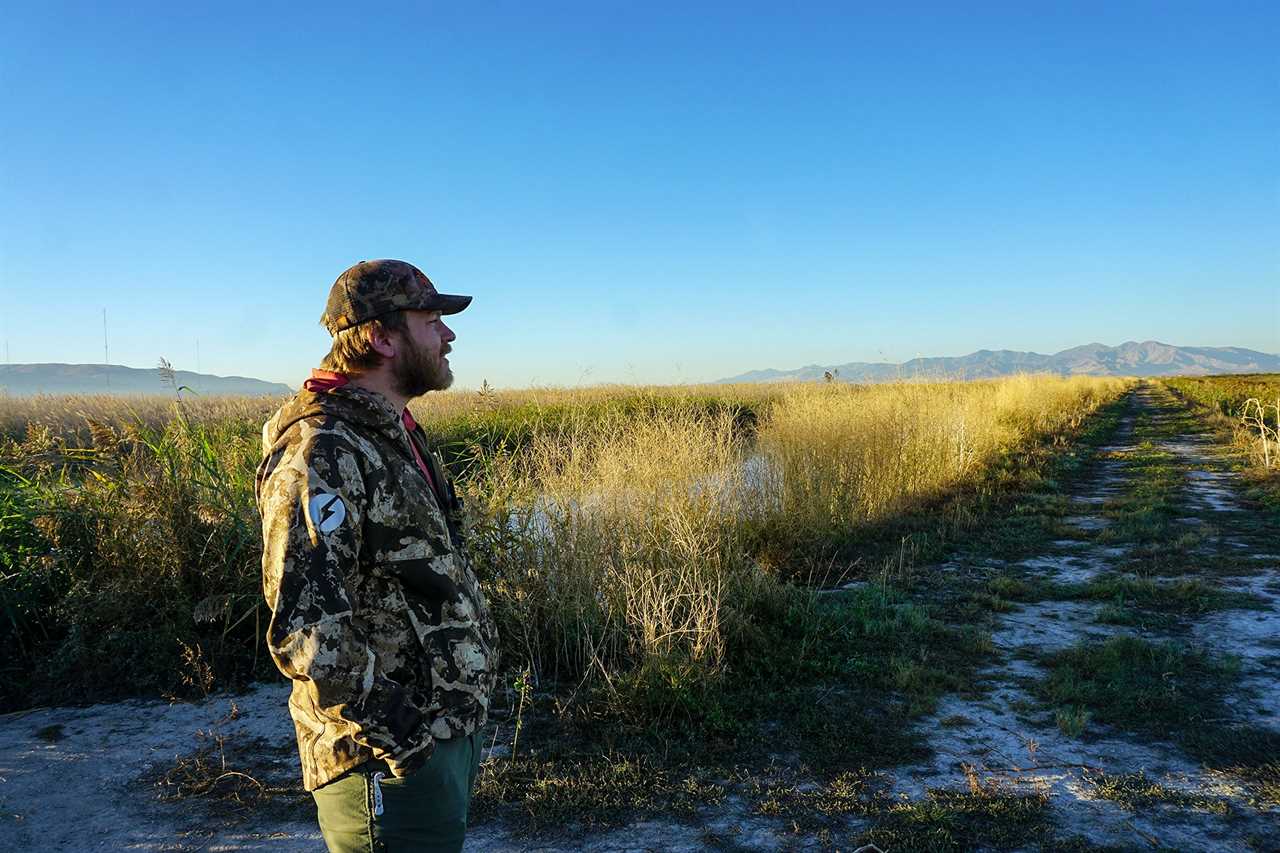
[[377, 616]]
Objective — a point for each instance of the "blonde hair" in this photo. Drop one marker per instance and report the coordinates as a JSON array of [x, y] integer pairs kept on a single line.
[[352, 349]]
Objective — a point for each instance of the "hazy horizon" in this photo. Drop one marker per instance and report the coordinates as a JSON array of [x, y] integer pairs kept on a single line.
[[294, 383]]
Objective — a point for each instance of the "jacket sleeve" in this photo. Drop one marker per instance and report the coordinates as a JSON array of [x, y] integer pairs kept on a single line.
[[312, 508]]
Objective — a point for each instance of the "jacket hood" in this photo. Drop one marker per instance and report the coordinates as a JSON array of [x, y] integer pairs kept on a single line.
[[349, 403]]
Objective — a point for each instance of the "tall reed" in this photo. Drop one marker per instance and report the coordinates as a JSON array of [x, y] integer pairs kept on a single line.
[[619, 534], [614, 544], [835, 457]]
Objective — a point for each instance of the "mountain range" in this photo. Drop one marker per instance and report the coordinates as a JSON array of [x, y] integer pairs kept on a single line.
[[1149, 358], [25, 379]]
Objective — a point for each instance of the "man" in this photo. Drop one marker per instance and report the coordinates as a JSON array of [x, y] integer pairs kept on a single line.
[[377, 616]]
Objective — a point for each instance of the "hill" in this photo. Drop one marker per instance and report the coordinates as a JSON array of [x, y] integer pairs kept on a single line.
[[22, 380], [1149, 358]]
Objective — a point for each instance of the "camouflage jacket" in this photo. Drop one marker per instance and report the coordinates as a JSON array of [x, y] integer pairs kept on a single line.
[[377, 616]]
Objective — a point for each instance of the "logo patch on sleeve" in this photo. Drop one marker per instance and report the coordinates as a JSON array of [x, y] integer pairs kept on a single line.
[[326, 511]]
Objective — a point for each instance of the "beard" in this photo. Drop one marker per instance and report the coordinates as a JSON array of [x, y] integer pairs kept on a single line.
[[416, 372]]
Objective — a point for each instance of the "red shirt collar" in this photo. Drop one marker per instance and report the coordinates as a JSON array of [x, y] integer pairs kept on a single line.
[[325, 380], [322, 381]]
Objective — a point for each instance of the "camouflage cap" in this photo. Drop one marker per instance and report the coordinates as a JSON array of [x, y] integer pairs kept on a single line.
[[373, 288]]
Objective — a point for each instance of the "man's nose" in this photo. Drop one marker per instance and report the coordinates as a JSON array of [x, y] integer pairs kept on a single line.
[[448, 335]]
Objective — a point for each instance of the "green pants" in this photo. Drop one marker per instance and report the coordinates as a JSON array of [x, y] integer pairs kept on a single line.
[[370, 811]]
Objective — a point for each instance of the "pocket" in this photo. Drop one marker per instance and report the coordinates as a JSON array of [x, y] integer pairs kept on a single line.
[[343, 811], [423, 577]]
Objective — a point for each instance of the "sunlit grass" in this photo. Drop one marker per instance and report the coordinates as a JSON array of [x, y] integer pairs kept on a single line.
[[634, 540], [1248, 403], [840, 457]]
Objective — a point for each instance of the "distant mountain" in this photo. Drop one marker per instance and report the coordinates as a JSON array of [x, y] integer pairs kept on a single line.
[[26, 379], [1149, 358]]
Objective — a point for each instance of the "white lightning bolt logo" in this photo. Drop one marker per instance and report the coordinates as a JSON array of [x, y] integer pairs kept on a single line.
[[326, 511]]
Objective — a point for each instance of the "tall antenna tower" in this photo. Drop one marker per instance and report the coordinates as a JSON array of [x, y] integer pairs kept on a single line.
[[106, 359]]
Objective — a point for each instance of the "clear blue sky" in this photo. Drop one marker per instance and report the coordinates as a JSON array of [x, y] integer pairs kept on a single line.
[[640, 192]]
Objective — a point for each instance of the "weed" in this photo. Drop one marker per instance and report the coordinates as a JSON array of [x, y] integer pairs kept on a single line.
[[591, 791], [237, 779], [1137, 791], [1073, 720], [988, 818], [51, 734], [955, 721], [1165, 690]]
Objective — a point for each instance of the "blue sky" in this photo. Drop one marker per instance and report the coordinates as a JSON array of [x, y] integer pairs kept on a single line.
[[640, 192]]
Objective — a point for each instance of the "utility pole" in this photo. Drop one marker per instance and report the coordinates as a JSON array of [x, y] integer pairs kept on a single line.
[[197, 355]]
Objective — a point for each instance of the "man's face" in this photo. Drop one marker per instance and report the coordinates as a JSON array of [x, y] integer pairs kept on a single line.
[[421, 364]]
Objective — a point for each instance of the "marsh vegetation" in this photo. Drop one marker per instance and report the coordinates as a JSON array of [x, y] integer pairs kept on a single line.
[[774, 596]]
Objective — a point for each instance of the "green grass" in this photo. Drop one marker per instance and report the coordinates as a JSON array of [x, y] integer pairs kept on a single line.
[[1165, 690], [1136, 791], [123, 548], [1183, 597], [608, 791], [29, 584], [1225, 395], [830, 686], [1127, 600], [589, 791], [982, 817], [1145, 516]]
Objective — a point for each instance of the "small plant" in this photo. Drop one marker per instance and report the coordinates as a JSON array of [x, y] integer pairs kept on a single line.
[[523, 687], [1134, 791], [1160, 688], [169, 378], [1072, 721], [240, 778], [197, 675], [1253, 417]]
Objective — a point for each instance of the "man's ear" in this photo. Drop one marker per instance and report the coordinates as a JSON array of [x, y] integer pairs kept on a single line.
[[382, 341]]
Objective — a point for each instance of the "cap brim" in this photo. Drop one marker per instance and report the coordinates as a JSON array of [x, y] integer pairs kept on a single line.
[[447, 303]]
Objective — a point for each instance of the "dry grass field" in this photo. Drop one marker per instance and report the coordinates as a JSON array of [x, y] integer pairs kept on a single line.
[[659, 516]]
